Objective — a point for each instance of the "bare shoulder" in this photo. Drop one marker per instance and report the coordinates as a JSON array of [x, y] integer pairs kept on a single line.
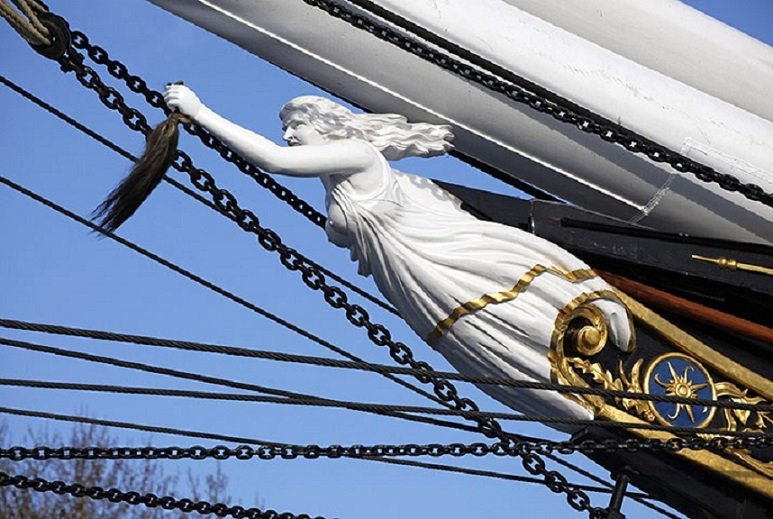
[[356, 148], [356, 156], [368, 175]]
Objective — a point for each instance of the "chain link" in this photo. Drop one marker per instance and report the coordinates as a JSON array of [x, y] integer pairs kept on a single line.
[[527, 449], [148, 500], [156, 99], [545, 102]]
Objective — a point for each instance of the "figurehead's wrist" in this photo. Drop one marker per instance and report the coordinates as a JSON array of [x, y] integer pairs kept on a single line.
[[200, 112]]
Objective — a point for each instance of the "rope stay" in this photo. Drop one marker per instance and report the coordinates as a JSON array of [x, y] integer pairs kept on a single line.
[[643, 499], [296, 399], [148, 500], [505, 82], [368, 366], [185, 375], [25, 20], [207, 284]]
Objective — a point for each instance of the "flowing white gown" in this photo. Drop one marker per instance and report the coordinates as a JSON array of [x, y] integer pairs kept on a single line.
[[428, 256]]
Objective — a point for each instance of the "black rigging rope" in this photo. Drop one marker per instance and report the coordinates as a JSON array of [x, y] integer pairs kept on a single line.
[[367, 366], [502, 81], [642, 499], [308, 400], [207, 284], [177, 185], [148, 368], [211, 380]]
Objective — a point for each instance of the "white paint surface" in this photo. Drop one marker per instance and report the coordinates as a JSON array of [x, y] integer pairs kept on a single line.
[[579, 167]]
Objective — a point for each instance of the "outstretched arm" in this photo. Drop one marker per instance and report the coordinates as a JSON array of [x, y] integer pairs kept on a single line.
[[338, 157]]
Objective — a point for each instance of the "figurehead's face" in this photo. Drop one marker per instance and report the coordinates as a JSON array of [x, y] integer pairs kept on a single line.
[[300, 132], [313, 120]]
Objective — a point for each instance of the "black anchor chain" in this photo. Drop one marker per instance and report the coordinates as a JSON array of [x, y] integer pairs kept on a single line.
[[271, 451], [115, 495]]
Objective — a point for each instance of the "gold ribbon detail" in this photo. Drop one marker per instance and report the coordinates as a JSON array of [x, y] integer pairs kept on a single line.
[[474, 305]]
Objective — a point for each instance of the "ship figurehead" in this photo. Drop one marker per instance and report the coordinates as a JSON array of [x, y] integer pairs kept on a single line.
[[499, 301]]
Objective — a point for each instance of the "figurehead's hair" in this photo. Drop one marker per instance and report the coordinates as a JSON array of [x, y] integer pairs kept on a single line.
[[391, 134]]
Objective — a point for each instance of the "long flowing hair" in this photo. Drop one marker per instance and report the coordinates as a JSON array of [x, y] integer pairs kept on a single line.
[[391, 134]]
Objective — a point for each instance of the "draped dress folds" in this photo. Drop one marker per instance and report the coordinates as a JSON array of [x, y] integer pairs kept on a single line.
[[428, 256]]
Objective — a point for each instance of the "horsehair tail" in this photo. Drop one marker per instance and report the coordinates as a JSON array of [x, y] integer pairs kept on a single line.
[[128, 196]]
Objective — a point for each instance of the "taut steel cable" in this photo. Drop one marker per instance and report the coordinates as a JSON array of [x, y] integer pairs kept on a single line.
[[367, 366]]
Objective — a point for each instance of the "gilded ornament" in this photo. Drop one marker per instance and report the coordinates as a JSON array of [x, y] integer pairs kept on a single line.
[[623, 383], [737, 464], [743, 419], [591, 338], [676, 374]]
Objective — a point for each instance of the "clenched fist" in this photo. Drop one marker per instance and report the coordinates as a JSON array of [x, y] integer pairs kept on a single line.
[[182, 99]]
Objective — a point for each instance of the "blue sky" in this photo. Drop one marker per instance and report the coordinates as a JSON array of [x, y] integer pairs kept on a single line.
[[52, 270]]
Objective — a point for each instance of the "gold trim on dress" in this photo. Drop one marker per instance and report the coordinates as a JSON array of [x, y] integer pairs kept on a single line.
[[474, 305]]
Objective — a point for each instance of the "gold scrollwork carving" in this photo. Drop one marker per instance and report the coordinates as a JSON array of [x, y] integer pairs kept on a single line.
[[743, 419], [591, 338], [746, 420], [738, 465], [561, 371], [624, 383]]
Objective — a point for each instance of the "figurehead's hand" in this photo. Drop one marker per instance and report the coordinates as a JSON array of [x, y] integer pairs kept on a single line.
[[182, 99]]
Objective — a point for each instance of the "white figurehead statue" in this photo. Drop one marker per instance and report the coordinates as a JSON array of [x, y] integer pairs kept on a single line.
[[431, 259]]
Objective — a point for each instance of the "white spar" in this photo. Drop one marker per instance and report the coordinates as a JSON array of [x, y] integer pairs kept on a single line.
[[573, 165], [672, 38]]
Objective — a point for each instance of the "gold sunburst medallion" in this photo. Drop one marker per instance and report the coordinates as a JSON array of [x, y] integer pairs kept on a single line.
[[675, 374]]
